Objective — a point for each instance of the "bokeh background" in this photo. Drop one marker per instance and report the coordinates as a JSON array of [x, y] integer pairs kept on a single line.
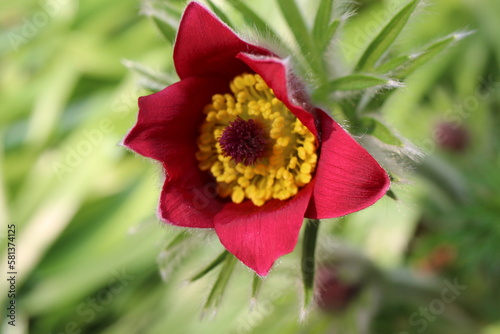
[[93, 258]]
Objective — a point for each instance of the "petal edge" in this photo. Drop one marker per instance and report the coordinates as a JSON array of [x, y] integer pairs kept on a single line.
[[348, 178], [258, 236]]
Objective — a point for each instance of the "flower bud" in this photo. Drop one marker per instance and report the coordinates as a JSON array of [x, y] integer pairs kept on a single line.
[[332, 293], [451, 137]]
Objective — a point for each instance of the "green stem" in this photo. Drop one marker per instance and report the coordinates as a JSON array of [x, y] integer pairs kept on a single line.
[[308, 259]]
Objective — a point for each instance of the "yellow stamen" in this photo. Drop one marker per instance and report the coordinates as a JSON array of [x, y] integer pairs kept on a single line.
[[290, 158]]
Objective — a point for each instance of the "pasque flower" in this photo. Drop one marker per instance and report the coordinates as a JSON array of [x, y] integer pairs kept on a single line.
[[243, 149]]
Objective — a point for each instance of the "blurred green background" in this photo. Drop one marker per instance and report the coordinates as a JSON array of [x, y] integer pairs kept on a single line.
[[93, 258]]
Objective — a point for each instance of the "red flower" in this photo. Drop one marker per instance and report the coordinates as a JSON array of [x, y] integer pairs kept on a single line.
[[243, 151]]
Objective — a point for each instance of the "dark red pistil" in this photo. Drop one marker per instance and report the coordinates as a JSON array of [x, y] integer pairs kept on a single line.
[[243, 141]]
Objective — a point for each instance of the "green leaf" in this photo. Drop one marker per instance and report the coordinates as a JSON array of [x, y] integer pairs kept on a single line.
[[303, 37], [165, 16], [166, 28], [392, 64], [375, 128], [385, 38], [330, 32], [296, 22], [308, 262], [220, 13], [429, 53], [253, 19], [401, 71], [322, 21], [214, 264], [217, 292], [181, 237], [168, 8], [353, 82]]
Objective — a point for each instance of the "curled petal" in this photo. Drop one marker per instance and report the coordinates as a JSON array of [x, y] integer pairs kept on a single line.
[[348, 178], [259, 235], [205, 46], [168, 125], [166, 130], [286, 88]]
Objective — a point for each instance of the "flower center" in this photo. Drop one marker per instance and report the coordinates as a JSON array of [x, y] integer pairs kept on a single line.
[[254, 147], [243, 141]]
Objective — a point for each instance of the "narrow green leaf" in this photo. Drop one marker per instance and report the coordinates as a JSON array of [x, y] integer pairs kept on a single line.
[[220, 13], [330, 32], [352, 82], [429, 53], [375, 128], [385, 38], [296, 22], [308, 262], [217, 292], [392, 64], [181, 237], [348, 107], [168, 8], [322, 21], [413, 63], [252, 19], [174, 253], [167, 30], [303, 37], [214, 264]]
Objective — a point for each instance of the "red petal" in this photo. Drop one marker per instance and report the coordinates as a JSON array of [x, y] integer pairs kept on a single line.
[[205, 46], [348, 178], [166, 130], [193, 206], [286, 88], [259, 235], [168, 124]]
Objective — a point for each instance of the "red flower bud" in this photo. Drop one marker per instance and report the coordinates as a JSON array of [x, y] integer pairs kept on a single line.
[[451, 137]]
